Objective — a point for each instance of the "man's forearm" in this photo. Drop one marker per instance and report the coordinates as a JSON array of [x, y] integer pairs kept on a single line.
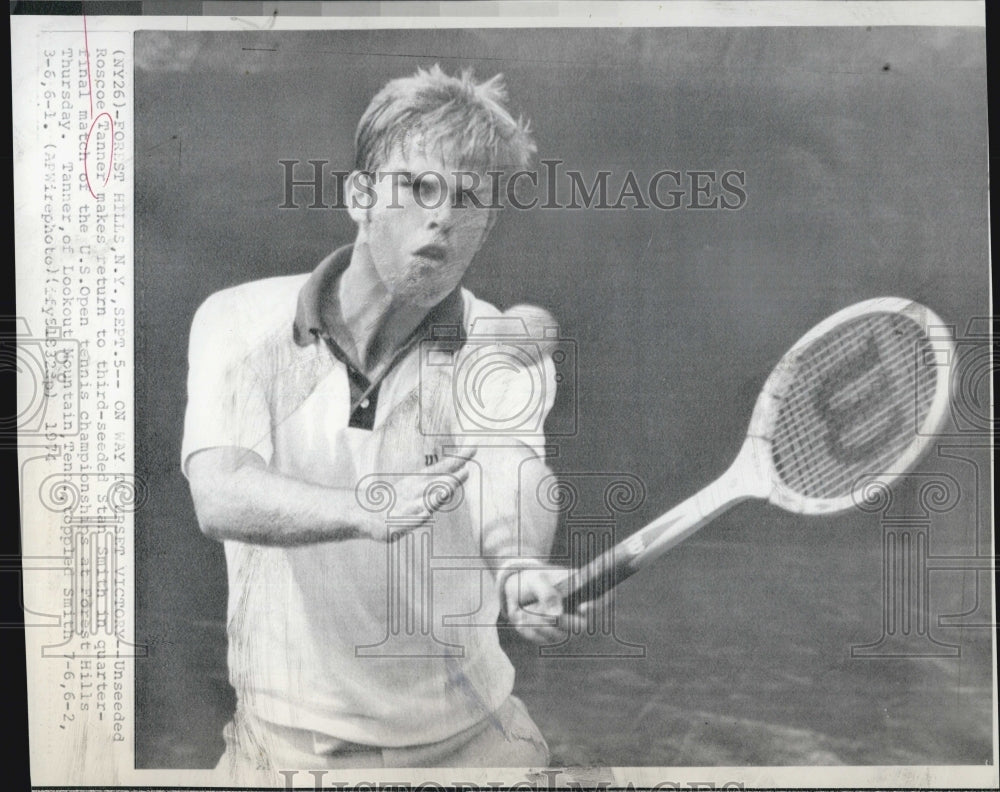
[[515, 524], [238, 498], [518, 528]]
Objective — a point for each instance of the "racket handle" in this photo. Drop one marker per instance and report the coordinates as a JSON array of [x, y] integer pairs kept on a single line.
[[595, 578]]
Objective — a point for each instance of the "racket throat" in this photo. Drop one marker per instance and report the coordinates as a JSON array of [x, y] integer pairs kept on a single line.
[[742, 481]]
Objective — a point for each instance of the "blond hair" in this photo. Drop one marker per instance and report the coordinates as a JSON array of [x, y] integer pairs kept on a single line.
[[465, 122]]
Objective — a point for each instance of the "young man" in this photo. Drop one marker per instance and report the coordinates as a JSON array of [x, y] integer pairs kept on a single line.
[[317, 434]]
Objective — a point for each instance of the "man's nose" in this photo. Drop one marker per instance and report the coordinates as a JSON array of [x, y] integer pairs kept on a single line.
[[442, 216]]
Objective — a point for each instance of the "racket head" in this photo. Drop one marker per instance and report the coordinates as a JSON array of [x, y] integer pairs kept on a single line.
[[852, 405]]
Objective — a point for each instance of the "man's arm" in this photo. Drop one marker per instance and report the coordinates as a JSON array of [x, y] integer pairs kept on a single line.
[[518, 524], [236, 497], [227, 444], [518, 529]]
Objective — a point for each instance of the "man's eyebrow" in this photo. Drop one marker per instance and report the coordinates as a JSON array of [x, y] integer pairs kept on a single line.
[[394, 174]]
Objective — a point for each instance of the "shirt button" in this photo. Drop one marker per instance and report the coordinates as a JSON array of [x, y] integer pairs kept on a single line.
[[364, 404]]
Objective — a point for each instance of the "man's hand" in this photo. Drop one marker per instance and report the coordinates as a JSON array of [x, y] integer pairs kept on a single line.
[[535, 607], [420, 495]]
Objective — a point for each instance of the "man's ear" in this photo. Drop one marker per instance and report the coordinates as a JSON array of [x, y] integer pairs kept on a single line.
[[359, 195]]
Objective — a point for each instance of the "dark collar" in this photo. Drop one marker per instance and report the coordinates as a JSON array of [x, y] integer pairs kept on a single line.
[[445, 320]]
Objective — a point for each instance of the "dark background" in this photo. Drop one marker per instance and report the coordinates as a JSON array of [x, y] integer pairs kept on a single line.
[[866, 172]]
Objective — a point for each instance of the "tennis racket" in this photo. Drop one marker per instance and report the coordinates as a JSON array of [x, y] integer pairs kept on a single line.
[[852, 405]]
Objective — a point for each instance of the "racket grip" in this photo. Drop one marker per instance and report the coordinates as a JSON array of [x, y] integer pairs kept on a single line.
[[595, 578]]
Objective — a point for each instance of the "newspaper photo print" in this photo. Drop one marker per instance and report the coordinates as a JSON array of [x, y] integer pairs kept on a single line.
[[375, 352]]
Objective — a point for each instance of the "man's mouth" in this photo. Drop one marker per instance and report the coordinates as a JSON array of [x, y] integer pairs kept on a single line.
[[433, 252]]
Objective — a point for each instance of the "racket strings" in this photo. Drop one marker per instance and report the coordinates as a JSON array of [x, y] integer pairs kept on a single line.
[[809, 426], [865, 426], [854, 401], [873, 436]]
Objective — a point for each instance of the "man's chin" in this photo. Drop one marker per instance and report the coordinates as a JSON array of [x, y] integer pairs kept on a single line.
[[421, 299]]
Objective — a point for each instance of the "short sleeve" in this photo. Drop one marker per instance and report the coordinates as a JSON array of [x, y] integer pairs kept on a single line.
[[227, 394], [504, 386], [519, 399]]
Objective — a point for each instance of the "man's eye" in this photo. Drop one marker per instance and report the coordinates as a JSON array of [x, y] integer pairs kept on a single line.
[[425, 188]]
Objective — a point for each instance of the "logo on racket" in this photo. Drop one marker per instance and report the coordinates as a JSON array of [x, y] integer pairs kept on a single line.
[[854, 400]]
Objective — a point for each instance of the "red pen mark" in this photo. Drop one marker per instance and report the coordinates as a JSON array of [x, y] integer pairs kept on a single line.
[[86, 49], [105, 141], [105, 138]]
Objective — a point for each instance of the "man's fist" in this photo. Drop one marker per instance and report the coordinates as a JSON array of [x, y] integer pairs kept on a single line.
[[535, 606]]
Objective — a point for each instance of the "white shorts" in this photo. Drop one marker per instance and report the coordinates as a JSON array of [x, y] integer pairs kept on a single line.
[[259, 753]]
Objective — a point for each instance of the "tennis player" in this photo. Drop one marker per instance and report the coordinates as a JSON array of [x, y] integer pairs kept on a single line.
[[308, 393]]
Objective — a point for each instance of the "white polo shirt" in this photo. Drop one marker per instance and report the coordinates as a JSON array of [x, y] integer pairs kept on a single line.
[[379, 644]]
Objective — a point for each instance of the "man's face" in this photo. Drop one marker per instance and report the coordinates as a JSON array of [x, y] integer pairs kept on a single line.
[[424, 229]]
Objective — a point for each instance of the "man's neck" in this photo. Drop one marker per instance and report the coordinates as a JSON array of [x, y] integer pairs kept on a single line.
[[363, 317]]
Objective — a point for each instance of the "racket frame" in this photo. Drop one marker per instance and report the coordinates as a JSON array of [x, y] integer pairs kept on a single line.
[[765, 411]]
